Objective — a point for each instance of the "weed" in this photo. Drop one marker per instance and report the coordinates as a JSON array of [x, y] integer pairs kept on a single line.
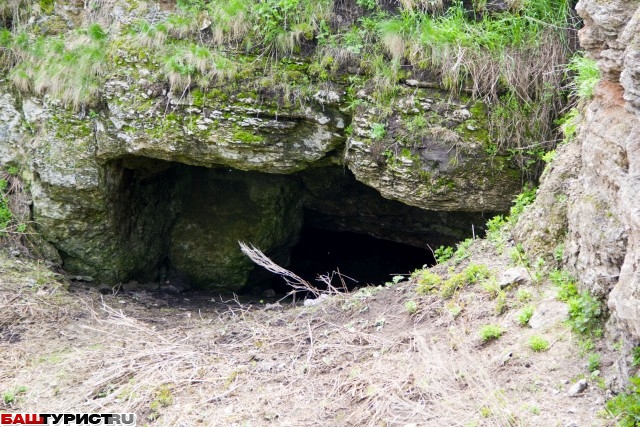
[[474, 273], [378, 131], [491, 332], [636, 357], [395, 280], [411, 307], [10, 397], [538, 343], [558, 252], [501, 302], [492, 288], [521, 201], [585, 344], [495, 227], [586, 75], [427, 281], [452, 284], [625, 407], [524, 295], [453, 308], [525, 315], [443, 254], [462, 250], [586, 311], [485, 412], [593, 362]]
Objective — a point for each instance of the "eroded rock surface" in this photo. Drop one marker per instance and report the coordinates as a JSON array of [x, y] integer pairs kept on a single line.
[[589, 198]]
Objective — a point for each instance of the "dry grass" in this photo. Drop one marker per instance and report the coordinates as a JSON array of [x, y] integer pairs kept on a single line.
[[349, 360]]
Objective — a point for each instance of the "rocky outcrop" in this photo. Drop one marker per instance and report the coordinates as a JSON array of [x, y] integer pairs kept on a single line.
[[588, 200], [429, 153], [154, 174]]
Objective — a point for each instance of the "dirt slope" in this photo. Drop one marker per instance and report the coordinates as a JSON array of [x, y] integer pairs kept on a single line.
[[351, 360]]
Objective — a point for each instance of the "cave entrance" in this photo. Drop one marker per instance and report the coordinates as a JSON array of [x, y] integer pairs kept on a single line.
[[366, 259], [180, 223]]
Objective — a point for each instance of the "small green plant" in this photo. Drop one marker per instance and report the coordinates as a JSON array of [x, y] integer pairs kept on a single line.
[[586, 311], [491, 332], [558, 252], [586, 75], [395, 280], [501, 302], [427, 281], [462, 250], [163, 398], [9, 397], [524, 295], [491, 287], [636, 357], [443, 254], [538, 343], [378, 131], [472, 274], [525, 315], [494, 228], [367, 4], [411, 307], [625, 407], [521, 201], [593, 362], [453, 308]]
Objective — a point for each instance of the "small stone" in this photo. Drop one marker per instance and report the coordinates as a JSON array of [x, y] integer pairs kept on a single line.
[[514, 276], [571, 423], [577, 388]]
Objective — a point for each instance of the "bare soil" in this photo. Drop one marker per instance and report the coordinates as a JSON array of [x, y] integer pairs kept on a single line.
[[359, 359]]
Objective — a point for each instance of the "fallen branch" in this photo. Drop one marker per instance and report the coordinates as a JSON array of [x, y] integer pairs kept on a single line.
[[296, 282]]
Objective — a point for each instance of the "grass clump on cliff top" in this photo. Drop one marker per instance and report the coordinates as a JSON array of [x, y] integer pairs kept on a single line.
[[70, 69]]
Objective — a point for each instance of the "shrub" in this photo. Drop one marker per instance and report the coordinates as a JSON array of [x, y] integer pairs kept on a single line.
[[586, 75], [593, 362], [525, 315], [636, 357], [538, 343], [378, 131], [626, 406], [427, 281], [411, 307], [586, 311], [443, 254], [474, 273], [491, 332]]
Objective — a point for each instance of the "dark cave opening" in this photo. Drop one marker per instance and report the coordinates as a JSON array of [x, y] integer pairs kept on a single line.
[[180, 225], [365, 259]]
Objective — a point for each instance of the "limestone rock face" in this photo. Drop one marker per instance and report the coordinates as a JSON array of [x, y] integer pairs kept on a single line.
[[225, 206], [213, 129], [588, 200], [604, 223], [612, 36], [150, 177], [431, 153]]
